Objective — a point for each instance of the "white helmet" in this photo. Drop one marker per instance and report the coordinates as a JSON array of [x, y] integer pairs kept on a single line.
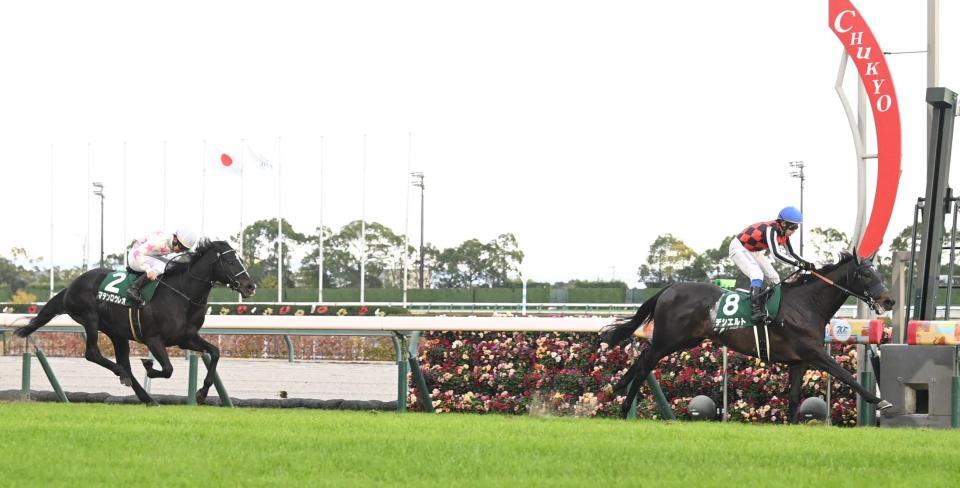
[[186, 237]]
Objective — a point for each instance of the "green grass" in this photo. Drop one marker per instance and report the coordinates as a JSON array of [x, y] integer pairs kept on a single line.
[[89, 444]]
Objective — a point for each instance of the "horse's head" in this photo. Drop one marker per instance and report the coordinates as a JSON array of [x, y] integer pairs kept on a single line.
[[865, 280], [228, 268]]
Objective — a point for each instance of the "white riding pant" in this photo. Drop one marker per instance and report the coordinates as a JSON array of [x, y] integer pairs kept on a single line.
[[144, 263], [753, 263]]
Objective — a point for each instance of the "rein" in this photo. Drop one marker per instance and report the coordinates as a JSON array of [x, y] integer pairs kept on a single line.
[[233, 285], [866, 299]]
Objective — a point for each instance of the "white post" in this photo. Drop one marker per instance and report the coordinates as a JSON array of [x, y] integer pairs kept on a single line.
[[86, 188], [363, 220], [724, 416], [320, 237], [163, 169], [933, 43], [279, 226], [523, 307], [406, 218], [123, 235], [51, 222], [203, 186], [240, 238]]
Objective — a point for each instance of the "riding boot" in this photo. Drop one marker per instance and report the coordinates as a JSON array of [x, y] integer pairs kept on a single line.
[[758, 306], [134, 291]]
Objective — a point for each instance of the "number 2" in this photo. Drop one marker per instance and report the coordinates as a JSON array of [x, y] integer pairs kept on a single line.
[[112, 286]]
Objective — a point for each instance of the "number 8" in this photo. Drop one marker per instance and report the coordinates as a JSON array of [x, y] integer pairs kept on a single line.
[[731, 303]]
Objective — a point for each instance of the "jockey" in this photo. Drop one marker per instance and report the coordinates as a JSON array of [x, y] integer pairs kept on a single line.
[[746, 250], [147, 256]]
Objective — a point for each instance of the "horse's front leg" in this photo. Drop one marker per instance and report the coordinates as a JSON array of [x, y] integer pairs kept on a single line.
[[197, 343], [121, 347], [826, 362], [797, 371]]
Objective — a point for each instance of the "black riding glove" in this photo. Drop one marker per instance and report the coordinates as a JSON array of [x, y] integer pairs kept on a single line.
[[807, 266]]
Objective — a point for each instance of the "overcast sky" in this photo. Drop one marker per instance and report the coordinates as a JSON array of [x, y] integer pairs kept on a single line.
[[587, 129]]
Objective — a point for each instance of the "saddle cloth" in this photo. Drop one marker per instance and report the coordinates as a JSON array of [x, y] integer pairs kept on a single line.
[[732, 310], [113, 288]]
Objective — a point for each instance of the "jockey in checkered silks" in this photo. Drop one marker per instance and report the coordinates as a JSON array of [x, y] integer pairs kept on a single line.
[[746, 250]]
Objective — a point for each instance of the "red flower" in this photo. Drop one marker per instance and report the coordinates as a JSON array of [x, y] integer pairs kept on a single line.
[[322, 309], [363, 311], [284, 309], [32, 309], [241, 309]]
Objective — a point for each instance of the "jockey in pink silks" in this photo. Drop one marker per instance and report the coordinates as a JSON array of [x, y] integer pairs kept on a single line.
[[148, 256]]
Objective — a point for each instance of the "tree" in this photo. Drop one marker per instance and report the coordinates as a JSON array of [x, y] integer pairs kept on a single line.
[[666, 257], [474, 263], [260, 251], [828, 243], [380, 249]]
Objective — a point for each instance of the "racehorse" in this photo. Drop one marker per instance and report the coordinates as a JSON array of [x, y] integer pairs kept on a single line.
[[681, 315], [172, 318]]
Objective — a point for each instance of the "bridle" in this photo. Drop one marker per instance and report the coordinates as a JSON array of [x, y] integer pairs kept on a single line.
[[233, 284], [872, 291]]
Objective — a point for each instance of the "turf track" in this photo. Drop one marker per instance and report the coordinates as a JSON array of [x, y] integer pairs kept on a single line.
[[115, 445]]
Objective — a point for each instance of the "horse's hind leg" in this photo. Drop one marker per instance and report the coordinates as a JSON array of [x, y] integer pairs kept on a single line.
[[155, 344], [197, 343], [827, 363], [122, 349], [796, 383], [640, 370], [92, 352]]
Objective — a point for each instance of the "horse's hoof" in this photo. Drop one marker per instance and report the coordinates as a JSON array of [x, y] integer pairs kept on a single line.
[[152, 403], [883, 405], [147, 363], [126, 381]]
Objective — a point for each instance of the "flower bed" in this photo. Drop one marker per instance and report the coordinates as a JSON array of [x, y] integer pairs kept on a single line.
[[574, 374]]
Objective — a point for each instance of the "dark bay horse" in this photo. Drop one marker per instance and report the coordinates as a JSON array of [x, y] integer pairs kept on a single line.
[[682, 319], [173, 318]]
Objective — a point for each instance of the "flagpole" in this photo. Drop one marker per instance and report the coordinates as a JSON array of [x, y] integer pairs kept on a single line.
[[406, 218], [86, 188], [320, 240], [124, 208], [242, 150], [51, 222], [203, 184], [363, 220], [164, 174], [279, 224]]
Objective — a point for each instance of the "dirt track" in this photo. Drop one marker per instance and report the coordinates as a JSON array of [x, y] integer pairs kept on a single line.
[[242, 378]]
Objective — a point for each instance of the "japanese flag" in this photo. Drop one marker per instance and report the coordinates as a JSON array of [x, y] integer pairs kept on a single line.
[[225, 163]]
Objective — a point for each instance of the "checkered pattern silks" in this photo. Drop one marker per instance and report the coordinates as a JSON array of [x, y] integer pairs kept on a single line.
[[753, 237]]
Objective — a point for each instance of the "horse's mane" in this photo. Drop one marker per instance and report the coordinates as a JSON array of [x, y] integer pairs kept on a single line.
[[845, 257], [181, 265]]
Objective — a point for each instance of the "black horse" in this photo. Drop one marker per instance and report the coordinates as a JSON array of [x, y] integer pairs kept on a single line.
[[173, 318], [682, 319]]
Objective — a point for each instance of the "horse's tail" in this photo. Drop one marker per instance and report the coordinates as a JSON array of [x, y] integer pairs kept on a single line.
[[53, 308], [618, 332]]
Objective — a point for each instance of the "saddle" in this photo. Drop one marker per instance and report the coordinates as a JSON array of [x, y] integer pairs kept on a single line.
[[732, 311], [113, 288]]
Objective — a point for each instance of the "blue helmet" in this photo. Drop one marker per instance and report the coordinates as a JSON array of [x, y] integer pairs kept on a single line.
[[791, 214]]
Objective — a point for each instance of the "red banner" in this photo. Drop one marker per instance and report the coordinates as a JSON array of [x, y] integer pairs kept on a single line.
[[849, 26]]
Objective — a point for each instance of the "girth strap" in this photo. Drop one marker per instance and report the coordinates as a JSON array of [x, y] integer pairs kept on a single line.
[[762, 340], [135, 325]]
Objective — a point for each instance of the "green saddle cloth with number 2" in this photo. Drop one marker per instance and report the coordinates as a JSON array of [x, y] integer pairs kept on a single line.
[[113, 288], [733, 309]]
